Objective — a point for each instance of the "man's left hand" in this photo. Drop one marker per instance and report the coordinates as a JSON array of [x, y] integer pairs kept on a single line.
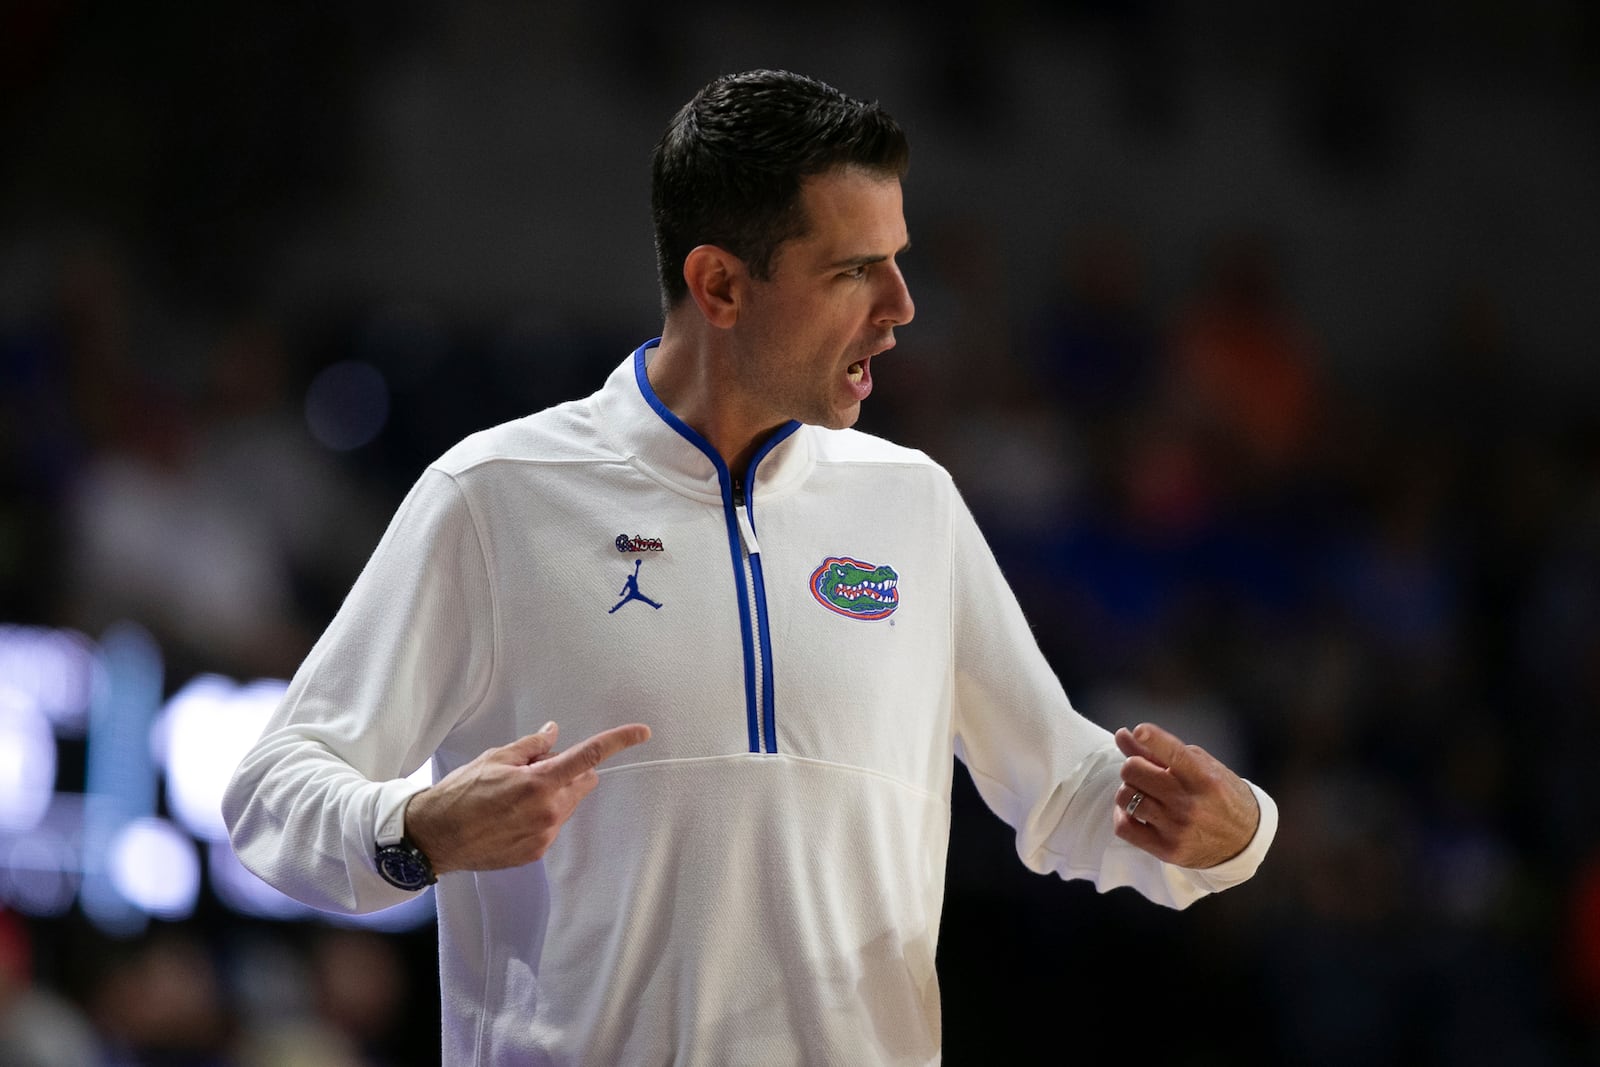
[[1192, 810]]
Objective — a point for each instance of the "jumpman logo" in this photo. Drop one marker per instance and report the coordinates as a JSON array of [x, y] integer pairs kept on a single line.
[[630, 590]]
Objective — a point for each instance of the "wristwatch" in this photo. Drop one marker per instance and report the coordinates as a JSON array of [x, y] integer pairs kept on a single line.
[[404, 866]]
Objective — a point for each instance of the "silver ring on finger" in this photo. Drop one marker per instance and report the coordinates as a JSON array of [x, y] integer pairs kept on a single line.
[[1133, 804]]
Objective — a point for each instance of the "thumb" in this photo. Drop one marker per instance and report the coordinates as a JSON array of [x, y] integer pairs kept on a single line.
[[532, 747]]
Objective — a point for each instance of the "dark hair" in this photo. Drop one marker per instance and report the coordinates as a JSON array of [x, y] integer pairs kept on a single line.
[[729, 167]]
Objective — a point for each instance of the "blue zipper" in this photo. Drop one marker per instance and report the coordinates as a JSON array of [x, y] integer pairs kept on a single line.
[[769, 715], [754, 630]]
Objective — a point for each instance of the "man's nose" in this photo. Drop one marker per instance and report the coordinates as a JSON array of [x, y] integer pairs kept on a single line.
[[897, 307]]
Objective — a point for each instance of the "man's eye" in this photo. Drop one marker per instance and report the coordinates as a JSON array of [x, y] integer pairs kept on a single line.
[[855, 273]]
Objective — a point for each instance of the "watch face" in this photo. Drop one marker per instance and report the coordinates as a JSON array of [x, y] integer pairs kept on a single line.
[[403, 867]]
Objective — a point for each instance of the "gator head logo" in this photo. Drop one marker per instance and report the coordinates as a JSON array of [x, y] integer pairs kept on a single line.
[[854, 589]]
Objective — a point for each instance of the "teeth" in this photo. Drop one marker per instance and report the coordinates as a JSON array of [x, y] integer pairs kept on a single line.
[[855, 371]]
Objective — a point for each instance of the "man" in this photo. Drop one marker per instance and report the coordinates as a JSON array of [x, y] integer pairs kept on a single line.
[[810, 628]]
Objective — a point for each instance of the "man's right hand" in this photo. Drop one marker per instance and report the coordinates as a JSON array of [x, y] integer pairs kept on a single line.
[[506, 807]]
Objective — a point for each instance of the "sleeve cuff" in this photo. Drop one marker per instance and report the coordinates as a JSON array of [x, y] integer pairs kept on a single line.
[[1231, 872], [390, 822]]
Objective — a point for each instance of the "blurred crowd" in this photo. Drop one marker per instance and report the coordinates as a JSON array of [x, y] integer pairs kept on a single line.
[[312, 997], [1377, 593], [1383, 603]]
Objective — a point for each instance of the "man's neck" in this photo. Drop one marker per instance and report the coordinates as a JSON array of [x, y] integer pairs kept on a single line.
[[685, 371]]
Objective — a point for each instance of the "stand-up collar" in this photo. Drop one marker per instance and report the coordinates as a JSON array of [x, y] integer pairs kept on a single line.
[[644, 429]]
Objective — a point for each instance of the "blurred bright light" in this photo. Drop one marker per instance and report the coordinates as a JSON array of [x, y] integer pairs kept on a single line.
[[27, 762], [200, 737], [347, 405], [154, 866], [119, 775], [126, 864], [53, 668]]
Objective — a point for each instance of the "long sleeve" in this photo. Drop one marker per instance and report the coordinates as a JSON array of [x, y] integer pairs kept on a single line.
[[409, 654], [1050, 773]]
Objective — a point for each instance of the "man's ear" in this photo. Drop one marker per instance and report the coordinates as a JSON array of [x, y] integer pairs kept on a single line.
[[713, 275]]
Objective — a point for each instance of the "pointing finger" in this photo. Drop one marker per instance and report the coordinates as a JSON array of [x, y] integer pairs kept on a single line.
[[589, 754]]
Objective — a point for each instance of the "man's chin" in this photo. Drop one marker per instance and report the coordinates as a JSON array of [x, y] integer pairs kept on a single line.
[[838, 419]]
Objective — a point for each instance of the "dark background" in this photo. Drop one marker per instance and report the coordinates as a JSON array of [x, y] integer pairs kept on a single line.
[[1261, 338]]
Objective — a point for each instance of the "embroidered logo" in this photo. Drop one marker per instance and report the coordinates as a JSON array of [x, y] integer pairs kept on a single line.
[[639, 544], [855, 589], [630, 590]]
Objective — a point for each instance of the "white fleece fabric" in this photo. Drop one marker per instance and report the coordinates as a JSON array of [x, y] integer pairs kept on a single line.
[[761, 882]]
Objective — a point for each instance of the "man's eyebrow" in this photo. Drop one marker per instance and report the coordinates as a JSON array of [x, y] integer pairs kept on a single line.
[[867, 260]]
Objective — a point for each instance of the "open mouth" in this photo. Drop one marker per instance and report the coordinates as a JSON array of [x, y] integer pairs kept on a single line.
[[856, 371]]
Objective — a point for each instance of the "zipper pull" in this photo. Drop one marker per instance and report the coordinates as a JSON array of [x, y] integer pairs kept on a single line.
[[747, 532]]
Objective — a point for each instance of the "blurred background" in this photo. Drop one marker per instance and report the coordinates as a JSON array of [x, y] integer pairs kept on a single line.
[[1261, 338]]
